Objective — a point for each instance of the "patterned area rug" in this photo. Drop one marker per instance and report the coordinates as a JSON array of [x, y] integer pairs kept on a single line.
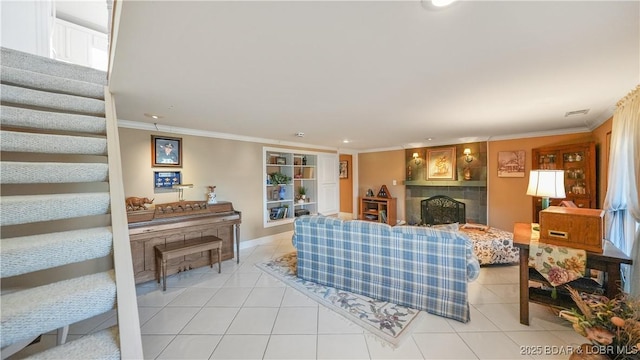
[[388, 322]]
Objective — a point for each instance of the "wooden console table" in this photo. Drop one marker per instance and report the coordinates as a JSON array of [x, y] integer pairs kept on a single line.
[[608, 262], [219, 220]]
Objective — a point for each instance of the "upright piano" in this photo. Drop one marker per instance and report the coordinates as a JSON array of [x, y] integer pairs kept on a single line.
[[177, 222]]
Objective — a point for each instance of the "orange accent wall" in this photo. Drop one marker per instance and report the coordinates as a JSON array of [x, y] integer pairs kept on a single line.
[[381, 168], [346, 186], [507, 201], [602, 136]]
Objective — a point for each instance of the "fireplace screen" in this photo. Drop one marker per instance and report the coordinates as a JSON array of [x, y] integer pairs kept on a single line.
[[442, 209]]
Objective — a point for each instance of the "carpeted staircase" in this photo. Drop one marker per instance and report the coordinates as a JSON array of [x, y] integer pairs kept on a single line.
[[65, 254]]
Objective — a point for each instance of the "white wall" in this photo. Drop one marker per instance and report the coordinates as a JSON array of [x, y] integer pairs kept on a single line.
[[26, 26], [235, 167]]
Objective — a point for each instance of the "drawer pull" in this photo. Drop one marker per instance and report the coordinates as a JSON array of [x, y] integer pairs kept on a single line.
[[558, 234]]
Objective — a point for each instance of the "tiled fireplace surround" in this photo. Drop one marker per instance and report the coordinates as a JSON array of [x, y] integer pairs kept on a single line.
[[474, 197], [473, 193]]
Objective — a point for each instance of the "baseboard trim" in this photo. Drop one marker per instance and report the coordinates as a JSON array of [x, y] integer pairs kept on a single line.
[[264, 240]]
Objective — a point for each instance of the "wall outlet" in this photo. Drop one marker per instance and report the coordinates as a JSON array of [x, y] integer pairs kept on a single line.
[[395, 182]]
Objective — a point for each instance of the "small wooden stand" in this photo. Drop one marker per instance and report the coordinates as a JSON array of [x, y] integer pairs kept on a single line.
[[378, 209]]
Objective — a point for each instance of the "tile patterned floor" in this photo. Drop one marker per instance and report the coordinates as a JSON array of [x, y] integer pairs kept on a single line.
[[244, 313]]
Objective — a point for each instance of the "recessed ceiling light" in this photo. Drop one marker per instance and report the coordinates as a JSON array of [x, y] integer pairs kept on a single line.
[[346, 141], [300, 134], [153, 116], [442, 3], [429, 139]]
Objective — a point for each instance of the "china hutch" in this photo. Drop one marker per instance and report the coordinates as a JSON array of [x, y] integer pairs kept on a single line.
[[579, 164]]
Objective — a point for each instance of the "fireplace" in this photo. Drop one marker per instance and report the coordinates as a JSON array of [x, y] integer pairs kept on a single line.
[[441, 209], [474, 198], [469, 184]]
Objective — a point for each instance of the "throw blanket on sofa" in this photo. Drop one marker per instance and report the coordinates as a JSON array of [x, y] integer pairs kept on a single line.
[[416, 267]]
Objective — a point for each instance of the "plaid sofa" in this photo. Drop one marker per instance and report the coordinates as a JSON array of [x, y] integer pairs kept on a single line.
[[417, 267]]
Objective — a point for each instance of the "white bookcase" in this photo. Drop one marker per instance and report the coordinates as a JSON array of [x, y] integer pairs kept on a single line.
[[301, 167]]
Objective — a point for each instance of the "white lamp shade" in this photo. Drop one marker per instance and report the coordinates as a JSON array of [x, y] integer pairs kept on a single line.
[[546, 183]]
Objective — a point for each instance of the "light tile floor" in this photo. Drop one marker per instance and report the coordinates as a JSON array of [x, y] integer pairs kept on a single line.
[[244, 313]]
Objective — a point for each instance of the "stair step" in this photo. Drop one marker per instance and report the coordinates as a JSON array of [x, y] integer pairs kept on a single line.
[[24, 97], [44, 120], [21, 60], [102, 345], [54, 249], [33, 80], [27, 209], [14, 141], [52, 172], [38, 310]]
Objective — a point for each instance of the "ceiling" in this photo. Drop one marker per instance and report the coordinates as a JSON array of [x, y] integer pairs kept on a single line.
[[92, 14], [383, 75]]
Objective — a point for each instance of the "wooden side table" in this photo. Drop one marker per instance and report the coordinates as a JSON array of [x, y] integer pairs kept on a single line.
[[174, 250], [608, 262]]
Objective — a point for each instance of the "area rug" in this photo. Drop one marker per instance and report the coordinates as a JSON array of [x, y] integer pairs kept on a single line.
[[387, 321]]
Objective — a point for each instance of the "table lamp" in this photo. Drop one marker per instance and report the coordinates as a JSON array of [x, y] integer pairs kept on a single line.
[[546, 184]]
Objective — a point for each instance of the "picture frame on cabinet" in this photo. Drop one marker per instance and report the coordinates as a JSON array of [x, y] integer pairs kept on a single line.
[[511, 164], [441, 163], [166, 151]]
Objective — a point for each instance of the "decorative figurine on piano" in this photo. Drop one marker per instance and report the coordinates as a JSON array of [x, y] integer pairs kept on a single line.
[[211, 195]]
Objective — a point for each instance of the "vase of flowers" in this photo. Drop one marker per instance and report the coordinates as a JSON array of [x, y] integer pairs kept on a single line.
[[611, 325]]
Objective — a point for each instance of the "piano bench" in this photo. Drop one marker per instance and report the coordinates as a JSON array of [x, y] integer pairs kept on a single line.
[[174, 250]]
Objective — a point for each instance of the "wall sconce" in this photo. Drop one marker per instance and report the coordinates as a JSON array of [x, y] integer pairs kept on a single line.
[[467, 155], [416, 158]]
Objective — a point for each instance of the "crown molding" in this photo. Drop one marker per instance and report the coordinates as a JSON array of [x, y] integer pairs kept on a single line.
[[541, 133], [601, 119], [216, 135]]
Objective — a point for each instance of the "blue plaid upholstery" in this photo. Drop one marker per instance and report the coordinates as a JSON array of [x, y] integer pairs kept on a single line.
[[417, 267]]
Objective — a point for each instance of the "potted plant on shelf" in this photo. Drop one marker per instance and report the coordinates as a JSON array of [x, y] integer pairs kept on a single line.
[[278, 178], [302, 192]]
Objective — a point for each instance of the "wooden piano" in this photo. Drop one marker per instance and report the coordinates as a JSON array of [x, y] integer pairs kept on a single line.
[[178, 222]]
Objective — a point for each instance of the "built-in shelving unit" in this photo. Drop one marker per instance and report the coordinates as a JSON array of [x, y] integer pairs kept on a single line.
[[282, 200]]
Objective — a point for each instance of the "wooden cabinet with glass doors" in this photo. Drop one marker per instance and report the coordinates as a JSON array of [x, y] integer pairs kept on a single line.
[[579, 164]]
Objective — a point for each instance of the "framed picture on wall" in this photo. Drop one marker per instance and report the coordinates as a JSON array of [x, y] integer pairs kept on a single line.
[[511, 163], [166, 151], [166, 179], [344, 169], [441, 163]]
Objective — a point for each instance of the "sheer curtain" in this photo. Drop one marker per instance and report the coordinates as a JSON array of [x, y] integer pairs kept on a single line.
[[622, 202]]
